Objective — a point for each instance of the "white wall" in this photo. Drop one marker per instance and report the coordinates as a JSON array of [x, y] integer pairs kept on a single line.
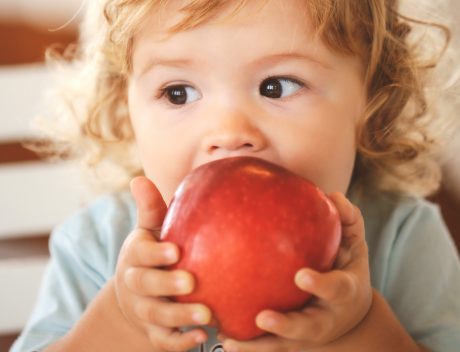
[[34, 196], [19, 282], [49, 14]]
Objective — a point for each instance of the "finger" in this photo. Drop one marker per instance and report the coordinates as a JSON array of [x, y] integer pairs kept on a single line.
[[151, 208], [334, 287], [171, 314], [350, 215], [165, 339], [353, 244], [144, 250], [158, 283], [265, 343], [344, 207], [308, 327]]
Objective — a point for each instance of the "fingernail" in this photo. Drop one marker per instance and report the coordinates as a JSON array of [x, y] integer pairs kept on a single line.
[[266, 322], [183, 283], [229, 346], [303, 280], [200, 338], [201, 316], [170, 254]]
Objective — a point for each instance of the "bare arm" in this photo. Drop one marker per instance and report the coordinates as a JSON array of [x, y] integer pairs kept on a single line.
[[103, 328], [379, 331], [131, 313]]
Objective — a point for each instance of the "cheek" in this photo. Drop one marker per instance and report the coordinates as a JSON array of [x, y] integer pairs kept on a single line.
[[160, 165], [152, 155], [166, 147], [326, 157], [165, 159]]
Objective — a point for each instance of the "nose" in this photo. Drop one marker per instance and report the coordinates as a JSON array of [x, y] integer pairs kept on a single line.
[[233, 133]]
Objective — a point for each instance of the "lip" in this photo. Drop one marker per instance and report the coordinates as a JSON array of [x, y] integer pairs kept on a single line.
[[262, 156]]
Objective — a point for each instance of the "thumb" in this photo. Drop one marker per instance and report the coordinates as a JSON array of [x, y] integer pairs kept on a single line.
[[151, 208], [353, 247]]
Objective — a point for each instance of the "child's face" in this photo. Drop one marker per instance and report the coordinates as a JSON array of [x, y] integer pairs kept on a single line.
[[257, 84]]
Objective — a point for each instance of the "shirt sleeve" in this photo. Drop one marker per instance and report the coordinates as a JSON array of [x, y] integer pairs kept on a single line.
[[84, 252], [422, 283]]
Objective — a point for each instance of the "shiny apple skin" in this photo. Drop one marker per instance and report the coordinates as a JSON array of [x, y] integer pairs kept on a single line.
[[244, 227]]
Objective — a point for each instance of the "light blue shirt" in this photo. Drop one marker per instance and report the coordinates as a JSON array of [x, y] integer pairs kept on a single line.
[[413, 262]]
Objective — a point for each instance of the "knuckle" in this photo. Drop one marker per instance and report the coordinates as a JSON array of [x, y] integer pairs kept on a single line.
[[358, 211], [159, 283], [294, 326], [320, 331], [166, 317], [149, 253], [134, 279], [152, 315], [157, 340], [173, 342], [294, 333], [127, 244], [317, 338], [139, 281], [154, 341], [131, 244], [316, 332], [169, 315], [343, 289], [348, 288], [139, 310]]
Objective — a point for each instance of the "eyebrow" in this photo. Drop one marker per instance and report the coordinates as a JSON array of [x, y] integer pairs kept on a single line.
[[275, 58], [266, 60], [164, 62]]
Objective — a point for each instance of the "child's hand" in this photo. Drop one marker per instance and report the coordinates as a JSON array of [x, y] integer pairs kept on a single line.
[[142, 285], [342, 297]]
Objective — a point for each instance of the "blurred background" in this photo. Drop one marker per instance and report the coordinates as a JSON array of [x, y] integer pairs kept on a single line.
[[35, 194]]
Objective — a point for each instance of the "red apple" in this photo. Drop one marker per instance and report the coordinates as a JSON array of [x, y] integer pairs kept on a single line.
[[245, 226]]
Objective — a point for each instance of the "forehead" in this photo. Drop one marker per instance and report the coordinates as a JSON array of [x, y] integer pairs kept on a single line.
[[169, 17], [253, 28], [250, 29]]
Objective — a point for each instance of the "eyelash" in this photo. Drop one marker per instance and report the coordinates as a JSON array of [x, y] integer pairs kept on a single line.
[[163, 92], [302, 85], [287, 78]]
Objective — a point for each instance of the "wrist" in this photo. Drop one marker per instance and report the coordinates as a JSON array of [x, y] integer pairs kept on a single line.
[[119, 307], [357, 329], [103, 327], [378, 331]]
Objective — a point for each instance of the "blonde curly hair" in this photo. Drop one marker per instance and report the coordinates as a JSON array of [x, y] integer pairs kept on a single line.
[[398, 136]]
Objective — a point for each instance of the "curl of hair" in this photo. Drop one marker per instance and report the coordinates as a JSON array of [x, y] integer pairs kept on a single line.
[[397, 139]]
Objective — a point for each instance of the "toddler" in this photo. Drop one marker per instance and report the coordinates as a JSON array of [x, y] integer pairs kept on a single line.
[[334, 91]]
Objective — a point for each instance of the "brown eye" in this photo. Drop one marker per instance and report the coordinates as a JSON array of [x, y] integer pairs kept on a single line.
[[181, 94], [276, 88]]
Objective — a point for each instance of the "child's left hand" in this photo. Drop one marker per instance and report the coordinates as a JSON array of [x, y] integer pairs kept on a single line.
[[342, 297]]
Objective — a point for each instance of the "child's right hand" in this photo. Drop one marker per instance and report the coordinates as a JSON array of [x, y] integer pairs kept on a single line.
[[142, 284]]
